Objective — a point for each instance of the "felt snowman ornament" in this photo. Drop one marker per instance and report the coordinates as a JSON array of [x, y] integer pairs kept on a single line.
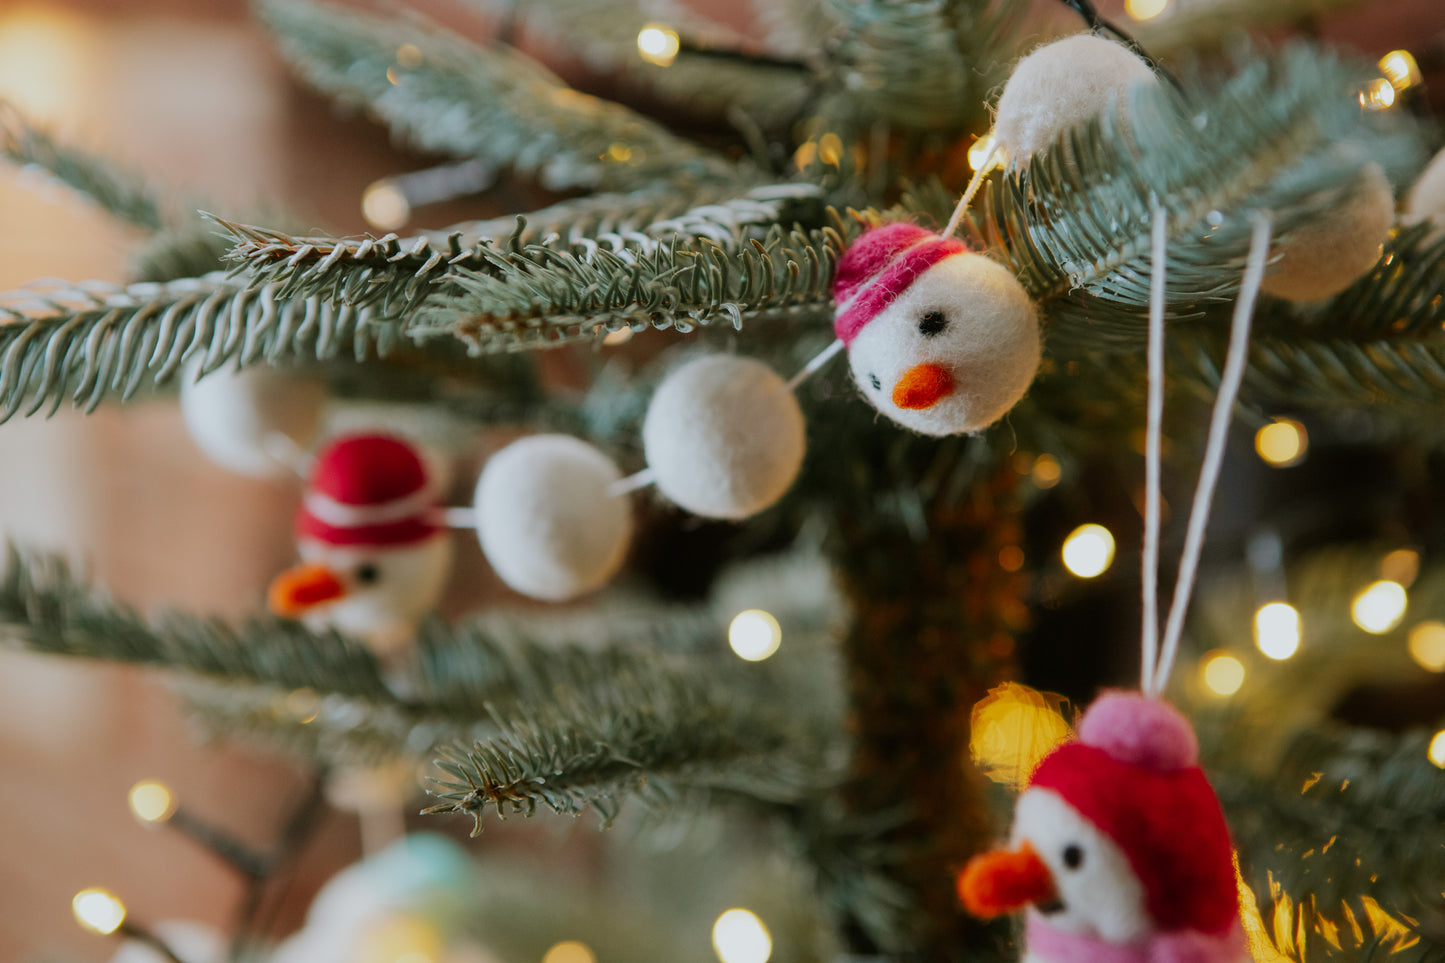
[[940, 340], [369, 532], [1120, 851], [253, 421]]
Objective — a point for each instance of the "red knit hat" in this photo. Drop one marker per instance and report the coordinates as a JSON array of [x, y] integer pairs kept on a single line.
[[368, 490], [878, 267], [1134, 774]]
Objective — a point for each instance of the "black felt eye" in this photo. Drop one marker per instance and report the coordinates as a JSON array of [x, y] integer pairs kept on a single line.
[[877, 385], [1073, 857], [932, 323], [368, 573]]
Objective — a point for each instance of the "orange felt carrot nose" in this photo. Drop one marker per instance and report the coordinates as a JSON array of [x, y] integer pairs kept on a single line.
[[922, 386], [996, 883], [298, 589]]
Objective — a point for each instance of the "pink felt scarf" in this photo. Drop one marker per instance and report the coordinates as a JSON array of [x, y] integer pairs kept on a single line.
[[1182, 946]]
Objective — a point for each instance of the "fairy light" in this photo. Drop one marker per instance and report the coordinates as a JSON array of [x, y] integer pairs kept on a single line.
[[1089, 551], [1378, 94], [1380, 606], [1436, 752], [1402, 565], [1223, 673], [151, 802], [739, 936], [400, 938], [98, 911], [385, 206], [1046, 471], [570, 951], [409, 56], [1282, 443], [43, 60], [981, 152], [1277, 630], [1145, 9], [1400, 69], [1427, 645], [830, 149], [658, 44], [754, 635]]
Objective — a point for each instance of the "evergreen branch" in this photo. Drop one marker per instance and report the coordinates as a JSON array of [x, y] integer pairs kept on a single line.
[[496, 105], [184, 251], [1282, 135], [120, 194], [44, 608], [93, 339], [653, 733], [537, 296]]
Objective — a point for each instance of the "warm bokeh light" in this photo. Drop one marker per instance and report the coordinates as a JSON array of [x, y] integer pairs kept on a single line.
[[1277, 630], [399, 938], [982, 153], [42, 62], [1400, 69], [1379, 608], [658, 44], [151, 801], [1437, 749], [1378, 94], [1282, 443], [1012, 729], [384, 205], [754, 635], [98, 911], [1046, 471], [570, 951], [1145, 9], [1427, 645], [1011, 558], [739, 936], [409, 55], [1089, 551], [619, 337], [1402, 565], [1223, 673]]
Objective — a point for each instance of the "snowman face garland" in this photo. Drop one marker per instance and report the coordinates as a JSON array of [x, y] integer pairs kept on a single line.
[[940, 340]]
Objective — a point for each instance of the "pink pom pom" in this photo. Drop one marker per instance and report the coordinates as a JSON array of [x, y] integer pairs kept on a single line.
[[1141, 731]]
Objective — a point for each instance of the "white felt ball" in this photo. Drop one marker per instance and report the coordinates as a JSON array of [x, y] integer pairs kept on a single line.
[[547, 519], [1427, 197], [1060, 85], [232, 415], [724, 436], [1333, 250]]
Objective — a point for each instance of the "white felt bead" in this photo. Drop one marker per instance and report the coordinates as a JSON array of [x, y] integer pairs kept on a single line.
[[1330, 252], [231, 414], [1060, 85], [725, 437], [547, 519], [1427, 197]]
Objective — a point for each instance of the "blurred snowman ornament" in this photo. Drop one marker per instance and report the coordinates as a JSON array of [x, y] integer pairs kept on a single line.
[[256, 421]]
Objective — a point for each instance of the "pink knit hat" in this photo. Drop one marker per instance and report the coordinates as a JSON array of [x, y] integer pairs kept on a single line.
[[368, 490], [1134, 774], [878, 267]]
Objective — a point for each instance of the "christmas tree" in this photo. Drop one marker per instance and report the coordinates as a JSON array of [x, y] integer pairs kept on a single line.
[[793, 593]]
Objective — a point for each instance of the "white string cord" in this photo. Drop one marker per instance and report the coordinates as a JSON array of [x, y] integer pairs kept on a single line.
[[1214, 449], [974, 183], [1155, 407], [283, 448]]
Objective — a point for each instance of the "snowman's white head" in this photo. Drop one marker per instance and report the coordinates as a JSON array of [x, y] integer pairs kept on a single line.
[[940, 340]]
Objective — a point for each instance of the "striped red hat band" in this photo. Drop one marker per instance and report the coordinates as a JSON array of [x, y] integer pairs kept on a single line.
[[368, 490], [898, 271]]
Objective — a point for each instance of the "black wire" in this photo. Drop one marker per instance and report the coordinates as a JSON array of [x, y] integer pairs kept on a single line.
[[1097, 24]]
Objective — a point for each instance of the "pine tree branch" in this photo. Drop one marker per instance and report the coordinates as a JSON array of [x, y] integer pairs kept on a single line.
[[120, 194], [94, 339], [188, 250], [496, 105], [1281, 135]]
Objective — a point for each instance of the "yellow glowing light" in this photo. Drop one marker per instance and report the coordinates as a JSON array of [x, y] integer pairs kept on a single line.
[[1089, 551], [982, 152], [1010, 558], [658, 44], [1402, 565], [1400, 69], [1436, 751], [1223, 673], [1282, 443], [754, 635], [409, 55], [43, 61], [570, 951], [400, 938], [1379, 608], [98, 911], [1378, 94], [621, 336], [739, 936], [1145, 9], [385, 206], [1012, 729], [1046, 471], [151, 802], [618, 152], [830, 149], [1427, 645], [1277, 630]]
